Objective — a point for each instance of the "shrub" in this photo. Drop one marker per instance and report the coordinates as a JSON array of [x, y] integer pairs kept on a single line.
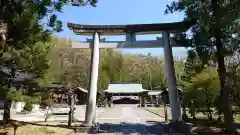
[[28, 107]]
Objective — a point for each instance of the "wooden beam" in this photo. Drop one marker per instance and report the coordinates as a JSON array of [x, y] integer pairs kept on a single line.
[[123, 44]]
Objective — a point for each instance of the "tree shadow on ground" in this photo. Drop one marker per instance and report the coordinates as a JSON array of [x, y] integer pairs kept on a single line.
[[128, 128], [204, 126], [151, 127], [205, 122], [200, 126]]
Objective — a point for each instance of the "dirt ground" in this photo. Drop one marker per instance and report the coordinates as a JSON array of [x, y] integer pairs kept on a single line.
[[35, 129]]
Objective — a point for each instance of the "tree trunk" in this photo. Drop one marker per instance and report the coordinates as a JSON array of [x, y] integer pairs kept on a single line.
[[209, 113], [208, 103], [6, 107], [71, 111], [46, 115], [7, 102], [6, 114], [184, 115], [165, 112], [69, 118], [193, 109], [224, 93]]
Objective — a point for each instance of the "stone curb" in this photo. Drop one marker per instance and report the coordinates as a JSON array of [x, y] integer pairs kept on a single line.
[[71, 133], [153, 112], [82, 129]]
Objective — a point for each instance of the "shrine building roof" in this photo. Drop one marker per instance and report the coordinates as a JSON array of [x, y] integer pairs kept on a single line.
[[125, 88]]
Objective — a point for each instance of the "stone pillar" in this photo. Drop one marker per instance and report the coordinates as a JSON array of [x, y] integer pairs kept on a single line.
[[95, 115], [92, 94], [171, 80]]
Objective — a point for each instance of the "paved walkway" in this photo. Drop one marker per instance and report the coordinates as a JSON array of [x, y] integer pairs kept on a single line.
[[118, 120], [129, 120]]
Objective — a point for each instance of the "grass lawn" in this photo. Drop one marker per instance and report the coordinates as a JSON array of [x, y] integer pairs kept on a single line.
[[202, 125], [35, 129]]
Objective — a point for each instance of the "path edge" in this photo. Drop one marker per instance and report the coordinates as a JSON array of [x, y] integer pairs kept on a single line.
[[153, 112]]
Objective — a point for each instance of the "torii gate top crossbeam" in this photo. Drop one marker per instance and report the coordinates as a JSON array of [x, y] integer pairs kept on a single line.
[[137, 29]]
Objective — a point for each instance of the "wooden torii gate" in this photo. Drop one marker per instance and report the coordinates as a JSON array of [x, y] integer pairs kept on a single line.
[[130, 31]]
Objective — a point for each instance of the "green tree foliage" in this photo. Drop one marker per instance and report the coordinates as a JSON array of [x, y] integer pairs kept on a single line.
[[233, 78], [28, 107], [212, 36], [24, 68], [114, 67], [153, 76], [25, 35], [113, 71], [203, 89], [193, 65], [24, 17], [24, 38], [74, 66]]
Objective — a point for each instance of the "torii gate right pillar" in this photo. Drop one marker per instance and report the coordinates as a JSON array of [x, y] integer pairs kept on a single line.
[[171, 80]]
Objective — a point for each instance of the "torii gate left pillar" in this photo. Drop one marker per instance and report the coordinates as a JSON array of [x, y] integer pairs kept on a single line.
[[90, 114]]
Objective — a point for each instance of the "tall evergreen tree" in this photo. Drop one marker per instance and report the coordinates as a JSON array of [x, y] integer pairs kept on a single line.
[[21, 26], [216, 22]]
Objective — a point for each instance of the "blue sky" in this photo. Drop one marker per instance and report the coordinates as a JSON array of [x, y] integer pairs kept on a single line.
[[122, 12]]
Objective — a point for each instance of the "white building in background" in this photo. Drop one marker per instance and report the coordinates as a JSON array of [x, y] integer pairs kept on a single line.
[[17, 106], [19, 80]]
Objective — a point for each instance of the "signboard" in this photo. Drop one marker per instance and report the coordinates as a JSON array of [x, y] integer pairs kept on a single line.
[[122, 97]]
